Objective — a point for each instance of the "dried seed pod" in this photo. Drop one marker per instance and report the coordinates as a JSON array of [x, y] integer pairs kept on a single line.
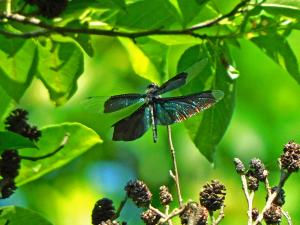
[[103, 211], [290, 159], [8, 188], [17, 122], [255, 214], [139, 192], [165, 196], [194, 214], [273, 215], [239, 166], [10, 164], [212, 195], [253, 183], [150, 217], [258, 169]]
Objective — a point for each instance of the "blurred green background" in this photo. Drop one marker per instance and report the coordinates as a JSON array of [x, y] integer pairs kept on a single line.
[[265, 118]]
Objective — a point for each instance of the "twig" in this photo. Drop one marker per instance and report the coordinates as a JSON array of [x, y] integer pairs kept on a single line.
[[220, 217], [267, 185], [167, 207], [157, 211], [47, 28], [175, 176], [174, 213], [249, 198], [61, 146], [284, 176], [287, 216], [119, 210]]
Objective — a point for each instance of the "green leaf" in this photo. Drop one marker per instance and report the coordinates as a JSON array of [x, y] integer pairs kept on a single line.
[[294, 3], [83, 40], [207, 129], [282, 10], [6, 103], [14, 215], [190, 9], [81, 138], [141, 63], [141, 13], [16, 72], [278, 49], [11, 140], [59, 68]]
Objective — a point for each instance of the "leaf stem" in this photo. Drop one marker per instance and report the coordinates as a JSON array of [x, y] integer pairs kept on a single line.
[[174, 175], [61, 146]]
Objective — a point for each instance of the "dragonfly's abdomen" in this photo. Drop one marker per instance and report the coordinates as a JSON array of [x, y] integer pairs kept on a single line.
[[153, 122]]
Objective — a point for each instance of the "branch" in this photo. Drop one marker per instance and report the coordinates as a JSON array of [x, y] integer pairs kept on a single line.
[[174, 176], [249, 198], [61, 146], [220, 217], [284, 176], [287, 216], [47, 28]]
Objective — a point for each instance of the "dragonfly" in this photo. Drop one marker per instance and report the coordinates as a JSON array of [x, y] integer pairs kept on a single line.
[[157, 110]]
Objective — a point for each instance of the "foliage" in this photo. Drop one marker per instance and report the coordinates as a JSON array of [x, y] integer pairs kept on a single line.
[[161, 38]]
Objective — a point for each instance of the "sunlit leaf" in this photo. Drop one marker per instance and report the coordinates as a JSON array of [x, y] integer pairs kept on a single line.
[[278, 49], [59, 68], [81, 138], [190, 9], [207, 129], [17, 67], [14, 215], [141, 13], [11, 140], [141, 64]]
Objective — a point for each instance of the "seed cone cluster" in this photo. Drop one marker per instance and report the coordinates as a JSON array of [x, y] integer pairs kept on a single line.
[[165, 196], [290, 159], [194, 214], [9, 170], [212, 195], [17, 122], [150, 217], [139, 193], [103, 211]]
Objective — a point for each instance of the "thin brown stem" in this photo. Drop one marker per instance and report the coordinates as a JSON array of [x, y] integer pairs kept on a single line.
[[60, 147], [284, 176], [157, 211], [249, 198], [174, 174], [220, 217], [174, 213], [287, 216]]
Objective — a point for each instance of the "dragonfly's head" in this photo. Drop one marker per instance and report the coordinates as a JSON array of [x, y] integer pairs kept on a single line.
[[151, 88]]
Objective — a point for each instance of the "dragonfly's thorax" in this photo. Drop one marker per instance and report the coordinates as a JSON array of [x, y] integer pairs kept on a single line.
[[151, 92]]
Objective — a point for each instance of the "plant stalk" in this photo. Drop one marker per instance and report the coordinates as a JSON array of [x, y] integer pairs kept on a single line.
[[175, 175]]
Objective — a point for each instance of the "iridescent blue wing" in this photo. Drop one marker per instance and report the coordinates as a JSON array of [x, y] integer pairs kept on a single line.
[[177, 109], [117, 102], [133, 126], [175, 82]]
